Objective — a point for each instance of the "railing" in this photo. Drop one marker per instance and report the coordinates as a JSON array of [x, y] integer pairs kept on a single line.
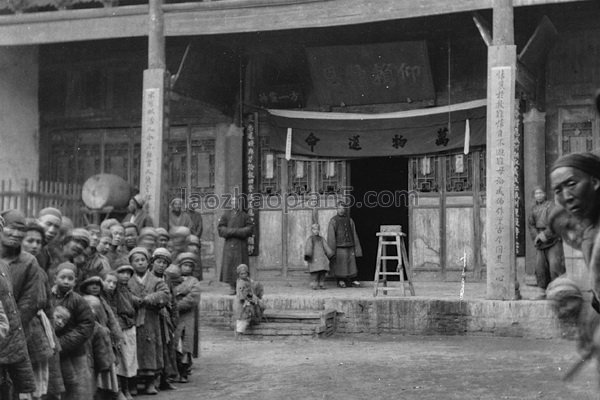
[[31, 196]]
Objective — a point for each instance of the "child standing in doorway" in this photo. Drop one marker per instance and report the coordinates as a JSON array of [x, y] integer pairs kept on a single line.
[[317, 254]]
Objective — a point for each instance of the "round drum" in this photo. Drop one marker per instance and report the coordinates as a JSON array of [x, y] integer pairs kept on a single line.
[[104, 190]]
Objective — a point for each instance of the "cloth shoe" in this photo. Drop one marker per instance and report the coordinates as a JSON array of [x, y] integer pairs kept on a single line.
[[355, 284], [341, 284]]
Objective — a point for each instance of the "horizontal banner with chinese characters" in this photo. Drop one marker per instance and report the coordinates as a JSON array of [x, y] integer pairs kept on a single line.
[[403, 133]]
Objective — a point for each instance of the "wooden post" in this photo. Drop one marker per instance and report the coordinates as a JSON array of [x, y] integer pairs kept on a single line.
[[154, 117], [188, 175], [502, 60], [534, 165]]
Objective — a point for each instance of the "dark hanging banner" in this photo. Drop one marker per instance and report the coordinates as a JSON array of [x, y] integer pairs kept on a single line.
[[371, 74], [401, 134]]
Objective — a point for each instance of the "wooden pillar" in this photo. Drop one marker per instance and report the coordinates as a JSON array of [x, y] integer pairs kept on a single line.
[[534, 142], [155, 121], [500, 214]]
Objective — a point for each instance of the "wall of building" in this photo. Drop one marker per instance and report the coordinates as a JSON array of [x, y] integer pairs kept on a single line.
[[19, 116]]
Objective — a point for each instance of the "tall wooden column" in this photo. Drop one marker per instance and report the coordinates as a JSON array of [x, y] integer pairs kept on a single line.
[[534, 142], [500, 207], [155, 121]]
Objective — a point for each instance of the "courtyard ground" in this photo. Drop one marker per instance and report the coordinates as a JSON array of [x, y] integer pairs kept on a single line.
[[384, 367]]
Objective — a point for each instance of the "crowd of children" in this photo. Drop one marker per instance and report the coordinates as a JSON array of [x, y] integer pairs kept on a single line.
[[96, 312]]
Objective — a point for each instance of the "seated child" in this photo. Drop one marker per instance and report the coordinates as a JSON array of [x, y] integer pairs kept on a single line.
[[72, 333], [249, 307], [317, 253], [101, 358], [187, 298], [571, 307], [124, 304]]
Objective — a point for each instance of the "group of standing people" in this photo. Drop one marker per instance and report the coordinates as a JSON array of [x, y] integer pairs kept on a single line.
[[96, 311]]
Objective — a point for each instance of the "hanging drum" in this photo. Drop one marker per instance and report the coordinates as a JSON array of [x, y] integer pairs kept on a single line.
[[106, 190]]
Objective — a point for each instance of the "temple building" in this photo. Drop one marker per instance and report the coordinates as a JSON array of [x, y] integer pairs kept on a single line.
[[435, 117]]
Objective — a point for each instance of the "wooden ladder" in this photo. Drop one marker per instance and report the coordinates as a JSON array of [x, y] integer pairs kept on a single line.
[[391, 235]]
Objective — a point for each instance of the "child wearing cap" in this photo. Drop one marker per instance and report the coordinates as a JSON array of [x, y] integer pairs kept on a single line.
[[72, 337], [124, 304], [249, 307], [317, 254], [101, 354], [154, 295], [187, 298], [161, 259]]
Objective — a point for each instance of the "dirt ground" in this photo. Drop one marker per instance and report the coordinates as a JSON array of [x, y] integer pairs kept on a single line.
[[384, 367]]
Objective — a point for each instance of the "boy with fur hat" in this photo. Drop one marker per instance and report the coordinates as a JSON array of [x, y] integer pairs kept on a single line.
[[75, 333], [572, 308], [124, 305], [154, 295], [187, 298], [249, 307]]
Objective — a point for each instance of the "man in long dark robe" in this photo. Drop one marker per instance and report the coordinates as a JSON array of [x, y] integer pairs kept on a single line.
[[549, 258], [342, 238], [235, 226]]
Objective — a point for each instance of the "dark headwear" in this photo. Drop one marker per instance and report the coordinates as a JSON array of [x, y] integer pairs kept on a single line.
[[124, 268], [187, 256], [140, 250], [92, 280], [66, 265], [34, 226], [50, 211], [160, 231], [562, 288], [586, 162], [162, 252], [131, 225], [13, 217], [79, 234]]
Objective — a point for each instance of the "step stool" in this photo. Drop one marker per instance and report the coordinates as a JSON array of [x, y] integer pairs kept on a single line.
[[391, 235]]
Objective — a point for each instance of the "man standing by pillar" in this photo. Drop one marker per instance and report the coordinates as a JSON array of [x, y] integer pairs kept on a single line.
[[549, 261], [235, 226], [342, 238]]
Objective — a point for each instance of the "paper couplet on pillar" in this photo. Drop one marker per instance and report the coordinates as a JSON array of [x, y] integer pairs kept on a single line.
[[467, 137], [288, 144]]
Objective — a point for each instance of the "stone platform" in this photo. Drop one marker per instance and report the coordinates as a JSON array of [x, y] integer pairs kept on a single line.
[[435, 310]]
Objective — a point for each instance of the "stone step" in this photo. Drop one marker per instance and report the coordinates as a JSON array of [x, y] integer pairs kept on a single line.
[[295, 323]]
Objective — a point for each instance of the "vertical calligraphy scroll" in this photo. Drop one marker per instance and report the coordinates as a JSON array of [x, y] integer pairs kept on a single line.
[[154, 119], [500, 184], [250, 181]]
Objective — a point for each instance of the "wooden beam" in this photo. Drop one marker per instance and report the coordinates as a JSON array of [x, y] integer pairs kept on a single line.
[[526, 80], [224, 16]]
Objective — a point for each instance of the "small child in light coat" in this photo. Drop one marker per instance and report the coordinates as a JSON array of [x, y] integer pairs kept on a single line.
[[317, 254]]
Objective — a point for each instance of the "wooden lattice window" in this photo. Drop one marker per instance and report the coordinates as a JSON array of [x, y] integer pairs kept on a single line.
[[424, 176], [299, 177], [330, 177], [578, 129], [459, 172], [270, 167]]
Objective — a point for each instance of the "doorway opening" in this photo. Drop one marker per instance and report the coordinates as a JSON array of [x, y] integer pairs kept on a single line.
[[379, 186]]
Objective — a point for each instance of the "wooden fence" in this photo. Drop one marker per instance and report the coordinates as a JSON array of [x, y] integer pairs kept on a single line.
[[31, 196]]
